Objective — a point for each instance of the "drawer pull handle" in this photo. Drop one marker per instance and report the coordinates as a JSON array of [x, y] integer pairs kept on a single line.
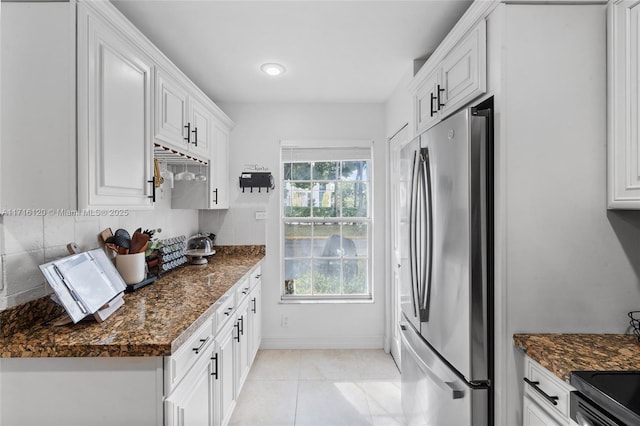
[[202, 343], [552, 399], [246, 290], [257, 277], [228, 311]]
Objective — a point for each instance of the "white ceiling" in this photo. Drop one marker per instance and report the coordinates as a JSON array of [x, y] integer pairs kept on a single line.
[[334, 51]]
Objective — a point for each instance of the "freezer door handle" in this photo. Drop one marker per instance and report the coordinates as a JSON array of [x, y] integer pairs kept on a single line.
[[456, 389], [457, 393]]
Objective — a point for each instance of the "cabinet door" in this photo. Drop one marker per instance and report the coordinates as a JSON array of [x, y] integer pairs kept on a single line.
[[623, 146], [114, 117], [201, 122], [464, 71], [191, 403], [425, 102], [534, 415], [225, 395], [242, 344], [255, 320], [218, 168], [171, 115]]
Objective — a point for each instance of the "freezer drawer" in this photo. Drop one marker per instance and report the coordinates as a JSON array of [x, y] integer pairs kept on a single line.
[[432, 394]]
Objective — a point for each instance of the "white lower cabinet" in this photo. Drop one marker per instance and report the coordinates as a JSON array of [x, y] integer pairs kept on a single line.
[[535, 415], [255, 320], [546, 397], [192, 402], [242, 344], [223, 377], [208, 393]]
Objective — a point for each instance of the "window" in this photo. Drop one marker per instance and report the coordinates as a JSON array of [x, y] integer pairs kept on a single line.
[[326, 222]]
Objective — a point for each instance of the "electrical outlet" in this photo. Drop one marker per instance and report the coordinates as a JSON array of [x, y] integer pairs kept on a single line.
[[261, 215], [284, 321]]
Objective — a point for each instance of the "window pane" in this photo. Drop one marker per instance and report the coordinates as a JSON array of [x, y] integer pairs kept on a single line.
[[297, 199], [323, 197], [355, 241], [297, 276], [326, 242], [325, 171], [354, 199], [355, 170], [326, 279], [297, 239], [355, 276], [286, 171], [301, 171]]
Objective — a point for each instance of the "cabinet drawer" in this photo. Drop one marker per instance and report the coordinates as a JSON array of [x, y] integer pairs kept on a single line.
[[255, 276], [225, 310], [242, 290], [550, 385], [192, 350]]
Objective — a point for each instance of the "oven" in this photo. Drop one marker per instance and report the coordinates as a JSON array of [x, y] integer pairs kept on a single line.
[[605, 398]]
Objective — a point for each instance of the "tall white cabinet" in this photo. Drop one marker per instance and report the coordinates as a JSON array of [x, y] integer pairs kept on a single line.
[[115, 81], [623, 148]]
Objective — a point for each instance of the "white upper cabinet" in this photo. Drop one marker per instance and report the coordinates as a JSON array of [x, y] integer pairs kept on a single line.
[[219, 167], [464, 71], [623, 148], [170, 111], [426, 100], [451, 79], [183, 121], [114, 117], [201, 120]]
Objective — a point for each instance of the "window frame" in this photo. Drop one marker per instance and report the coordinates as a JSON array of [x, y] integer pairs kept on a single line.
[[369, 219]]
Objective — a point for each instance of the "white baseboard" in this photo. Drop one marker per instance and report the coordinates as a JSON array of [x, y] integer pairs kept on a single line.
[[359, 342]]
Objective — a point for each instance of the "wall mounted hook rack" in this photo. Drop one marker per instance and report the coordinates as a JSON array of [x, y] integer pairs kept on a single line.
[[256, 180]]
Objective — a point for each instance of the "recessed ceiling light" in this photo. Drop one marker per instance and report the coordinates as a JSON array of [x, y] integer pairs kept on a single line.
[[273, 69]]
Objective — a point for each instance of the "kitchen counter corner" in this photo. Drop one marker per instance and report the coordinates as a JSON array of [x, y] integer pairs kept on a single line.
[[563, 353]]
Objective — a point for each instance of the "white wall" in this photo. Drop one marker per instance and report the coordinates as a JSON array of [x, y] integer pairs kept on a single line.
[[255, 140], [398, 108], [569, 265], [29, 241]]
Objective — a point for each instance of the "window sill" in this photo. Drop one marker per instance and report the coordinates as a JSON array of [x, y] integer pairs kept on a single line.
[[295, 301]]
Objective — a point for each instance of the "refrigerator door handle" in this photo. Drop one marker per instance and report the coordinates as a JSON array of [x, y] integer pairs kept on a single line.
[[426, 258], [413, 234]]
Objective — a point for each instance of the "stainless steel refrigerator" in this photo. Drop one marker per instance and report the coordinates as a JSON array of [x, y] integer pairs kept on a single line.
[[446, 273]]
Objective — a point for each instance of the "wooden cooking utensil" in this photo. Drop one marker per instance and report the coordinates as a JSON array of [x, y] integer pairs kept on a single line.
[[138, 242]]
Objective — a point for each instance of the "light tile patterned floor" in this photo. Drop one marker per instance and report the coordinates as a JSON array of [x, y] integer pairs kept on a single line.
[[320, 388]]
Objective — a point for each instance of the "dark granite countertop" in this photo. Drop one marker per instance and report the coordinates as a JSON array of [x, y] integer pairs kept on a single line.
[[563, 353], [154, 320]]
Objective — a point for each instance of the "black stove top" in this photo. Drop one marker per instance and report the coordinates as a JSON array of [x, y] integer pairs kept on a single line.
[[618, 392]]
